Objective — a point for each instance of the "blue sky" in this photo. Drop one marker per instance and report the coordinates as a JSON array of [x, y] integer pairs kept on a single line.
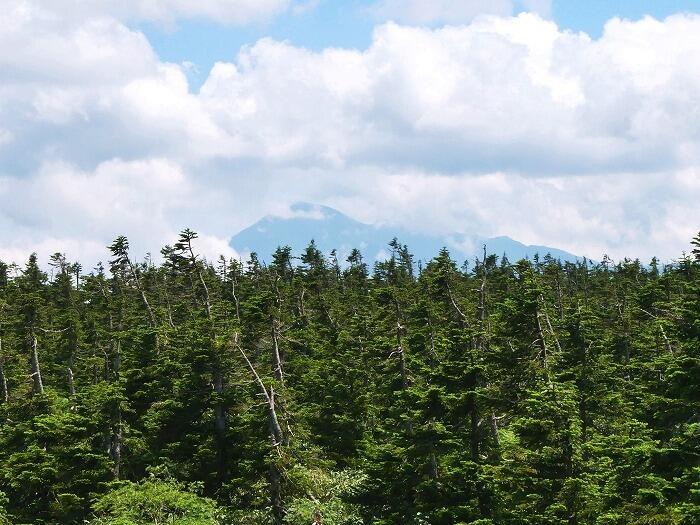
[[476, 117], [349, 24], [590, 15]]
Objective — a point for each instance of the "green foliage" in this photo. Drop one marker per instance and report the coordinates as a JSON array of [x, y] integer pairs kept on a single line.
[[4, 519], [154, 502], [309, 391], [324, 497]]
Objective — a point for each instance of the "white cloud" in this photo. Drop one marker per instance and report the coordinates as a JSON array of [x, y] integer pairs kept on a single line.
[[39, 47], [452, 129], [62, 208], [502, 93], [511, 94]]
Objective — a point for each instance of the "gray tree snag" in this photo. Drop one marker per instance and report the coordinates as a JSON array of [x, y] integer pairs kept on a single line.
[[276, 354], [277, 439], [3, 378], [37, 383]]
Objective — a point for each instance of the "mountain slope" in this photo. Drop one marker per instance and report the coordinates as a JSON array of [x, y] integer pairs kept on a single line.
[[331, 229]]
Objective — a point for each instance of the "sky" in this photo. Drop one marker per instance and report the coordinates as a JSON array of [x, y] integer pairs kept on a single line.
[[562, 123]]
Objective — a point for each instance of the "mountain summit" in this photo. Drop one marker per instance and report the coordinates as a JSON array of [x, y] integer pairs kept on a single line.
[[331, 229]]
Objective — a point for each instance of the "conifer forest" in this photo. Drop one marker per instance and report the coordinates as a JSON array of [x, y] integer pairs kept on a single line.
[[300, 389]]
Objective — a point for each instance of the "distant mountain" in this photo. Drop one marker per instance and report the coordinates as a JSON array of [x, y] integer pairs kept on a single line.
[[331, 229]]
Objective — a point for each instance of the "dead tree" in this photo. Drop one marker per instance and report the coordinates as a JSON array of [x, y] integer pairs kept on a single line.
[[37, 383], [3, 378], [277, 438]]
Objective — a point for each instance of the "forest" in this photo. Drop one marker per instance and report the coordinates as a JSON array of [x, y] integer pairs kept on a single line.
[[309, 390]]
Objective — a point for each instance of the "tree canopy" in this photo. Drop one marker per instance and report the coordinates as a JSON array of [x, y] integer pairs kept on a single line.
[[313, 390]]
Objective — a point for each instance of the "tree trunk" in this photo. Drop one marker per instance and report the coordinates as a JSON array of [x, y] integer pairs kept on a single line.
[[3, 378], [220, 422], [405, 383], [276, 355], [205, 288], [433, 466], [275, 428], [493, 422], [403, 368], [151, 315], [276, 495], [71, 378], [544, 348], [115, 444], [276, 437], [235, 297], [169, 307], [473, 383], [37, 383]]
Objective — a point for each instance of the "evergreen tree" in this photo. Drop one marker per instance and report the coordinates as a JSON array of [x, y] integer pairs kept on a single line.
[[314, 391]]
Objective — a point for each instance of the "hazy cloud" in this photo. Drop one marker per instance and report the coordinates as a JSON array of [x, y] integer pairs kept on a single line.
[[235, 12], [60, 206], [454, 12], [421, 12]]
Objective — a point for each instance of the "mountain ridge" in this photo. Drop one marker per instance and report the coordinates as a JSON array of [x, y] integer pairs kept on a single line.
[[331, 229]]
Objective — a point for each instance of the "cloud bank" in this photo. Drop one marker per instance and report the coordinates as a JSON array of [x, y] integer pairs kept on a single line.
[[505, 125]]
